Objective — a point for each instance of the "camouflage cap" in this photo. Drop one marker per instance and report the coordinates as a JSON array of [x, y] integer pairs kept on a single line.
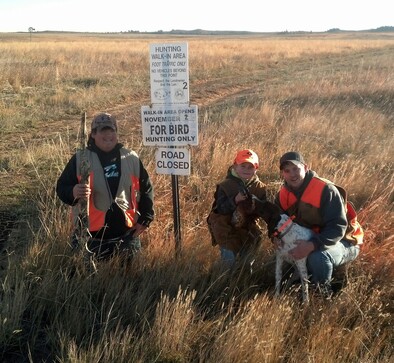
[[103, 120]]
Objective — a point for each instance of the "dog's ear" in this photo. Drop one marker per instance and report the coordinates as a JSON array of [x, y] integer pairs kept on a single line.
[[271, 227], [268, 211], [262, 208], [275, 211], [246, 206]]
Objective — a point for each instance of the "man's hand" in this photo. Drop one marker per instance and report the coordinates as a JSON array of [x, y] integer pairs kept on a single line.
[[81, 191], [303, 249]]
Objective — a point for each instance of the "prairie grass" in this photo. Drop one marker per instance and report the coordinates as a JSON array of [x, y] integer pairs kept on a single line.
[[328, 96]]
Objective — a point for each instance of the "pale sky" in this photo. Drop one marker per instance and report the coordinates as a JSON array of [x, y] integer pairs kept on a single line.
[[154, 15]]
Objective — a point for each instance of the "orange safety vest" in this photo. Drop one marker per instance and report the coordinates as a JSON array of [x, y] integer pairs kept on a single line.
[[127, 196], [307, 209]]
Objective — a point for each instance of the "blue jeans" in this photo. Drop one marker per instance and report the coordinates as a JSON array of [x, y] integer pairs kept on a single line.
[[229, 258], [321, 263], [103, 249]]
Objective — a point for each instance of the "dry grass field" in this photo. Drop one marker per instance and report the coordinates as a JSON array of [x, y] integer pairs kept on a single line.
[[330, 96]]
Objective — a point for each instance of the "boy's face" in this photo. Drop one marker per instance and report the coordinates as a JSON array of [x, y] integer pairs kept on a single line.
[[245, 170], [105, 139], [293, 175]]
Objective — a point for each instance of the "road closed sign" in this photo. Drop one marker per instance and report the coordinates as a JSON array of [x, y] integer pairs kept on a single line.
[[169, 125], [174, 161], [169, 73]]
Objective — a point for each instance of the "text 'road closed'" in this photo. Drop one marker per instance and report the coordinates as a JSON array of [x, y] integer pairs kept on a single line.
[[174, 161]]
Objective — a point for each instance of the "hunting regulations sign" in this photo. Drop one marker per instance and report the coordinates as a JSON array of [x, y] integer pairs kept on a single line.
[[169, 73]]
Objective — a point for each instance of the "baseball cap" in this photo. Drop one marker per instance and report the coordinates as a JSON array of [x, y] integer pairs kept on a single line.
[[247, 156], [103, 120], [291, 157]]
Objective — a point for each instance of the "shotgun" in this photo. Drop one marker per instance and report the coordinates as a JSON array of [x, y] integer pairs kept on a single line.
[[81, 233]]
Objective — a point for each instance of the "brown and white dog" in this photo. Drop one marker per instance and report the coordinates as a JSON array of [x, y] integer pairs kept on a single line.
[[282, 227]]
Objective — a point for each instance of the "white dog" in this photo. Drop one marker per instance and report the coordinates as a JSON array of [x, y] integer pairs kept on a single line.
[[288, 232], [282, 227]]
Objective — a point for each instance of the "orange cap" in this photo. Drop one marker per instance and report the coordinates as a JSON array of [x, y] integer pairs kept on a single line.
[[247, 156]]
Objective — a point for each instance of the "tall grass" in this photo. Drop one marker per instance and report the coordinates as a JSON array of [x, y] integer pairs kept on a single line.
[[328, 97]]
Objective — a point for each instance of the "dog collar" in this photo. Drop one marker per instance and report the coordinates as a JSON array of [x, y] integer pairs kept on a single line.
[[283, 227]]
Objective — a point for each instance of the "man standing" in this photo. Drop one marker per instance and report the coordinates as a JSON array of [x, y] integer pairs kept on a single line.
[[119, 191]]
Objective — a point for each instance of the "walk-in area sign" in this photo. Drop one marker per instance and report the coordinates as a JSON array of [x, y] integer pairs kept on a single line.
[[169, 69], [169, 125]]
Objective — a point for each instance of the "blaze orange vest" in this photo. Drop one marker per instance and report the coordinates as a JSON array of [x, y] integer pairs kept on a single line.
[[307, 209], [127, 196]]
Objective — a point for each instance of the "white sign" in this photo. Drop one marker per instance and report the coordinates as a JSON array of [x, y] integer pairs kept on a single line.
[[169, 125], [175, 161], [169, 73]]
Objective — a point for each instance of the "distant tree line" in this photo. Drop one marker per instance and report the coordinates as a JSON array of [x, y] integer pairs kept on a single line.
[[382, 29]]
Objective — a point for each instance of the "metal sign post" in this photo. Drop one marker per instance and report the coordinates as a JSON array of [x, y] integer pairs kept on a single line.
[[177, 214], [170, 121]]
